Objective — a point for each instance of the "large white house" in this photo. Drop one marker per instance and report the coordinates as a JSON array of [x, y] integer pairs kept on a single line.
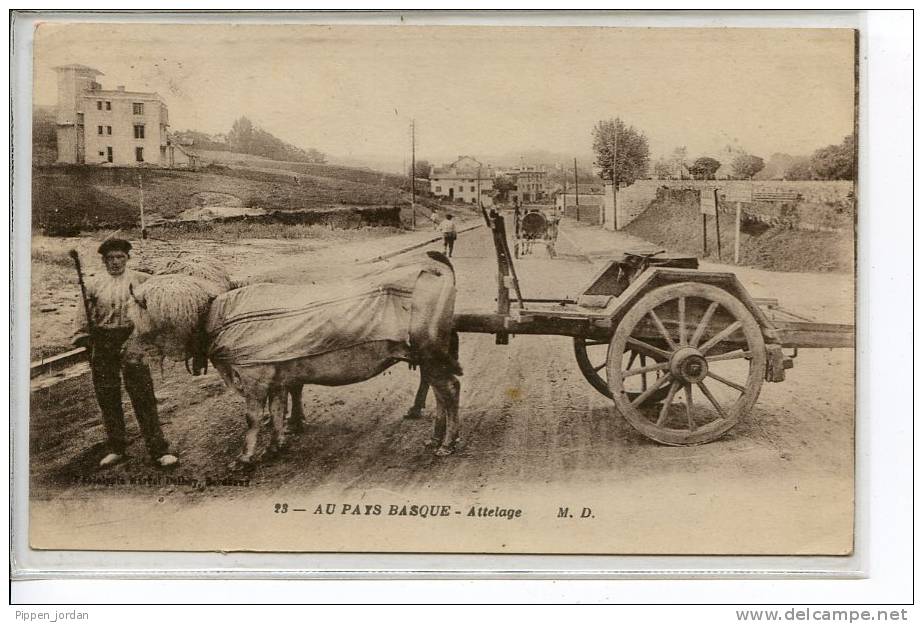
[[99, 126], [461, 180]]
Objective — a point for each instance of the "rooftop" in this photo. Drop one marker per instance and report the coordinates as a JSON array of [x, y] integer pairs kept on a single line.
[[83, 69]]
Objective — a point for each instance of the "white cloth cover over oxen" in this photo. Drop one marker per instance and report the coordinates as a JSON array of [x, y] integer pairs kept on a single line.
[[272, 323]]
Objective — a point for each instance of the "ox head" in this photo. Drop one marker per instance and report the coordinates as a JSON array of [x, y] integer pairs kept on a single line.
[[168, 313]]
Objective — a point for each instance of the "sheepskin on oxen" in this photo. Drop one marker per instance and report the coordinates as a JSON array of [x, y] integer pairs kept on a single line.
[[169, 313]]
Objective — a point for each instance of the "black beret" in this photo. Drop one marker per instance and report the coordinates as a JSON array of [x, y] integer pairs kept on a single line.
[[114, 244]]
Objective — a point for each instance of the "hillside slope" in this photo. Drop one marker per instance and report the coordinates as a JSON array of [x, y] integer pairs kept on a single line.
[[97, 197], [677, 226]]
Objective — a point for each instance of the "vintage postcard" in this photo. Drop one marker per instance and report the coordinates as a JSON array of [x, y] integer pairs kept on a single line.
[[442, 289]]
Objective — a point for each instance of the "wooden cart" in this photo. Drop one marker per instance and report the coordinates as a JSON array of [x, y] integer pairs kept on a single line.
[[685, 352], [535, 227]]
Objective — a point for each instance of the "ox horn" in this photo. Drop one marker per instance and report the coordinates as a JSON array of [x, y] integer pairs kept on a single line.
[[140, 302]]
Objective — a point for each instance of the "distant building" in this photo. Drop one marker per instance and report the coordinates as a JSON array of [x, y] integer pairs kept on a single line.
[[460, 181], [118, 127], [530, 182]]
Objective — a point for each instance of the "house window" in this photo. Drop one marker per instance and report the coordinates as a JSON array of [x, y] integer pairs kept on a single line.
[[139, 131], [99, 129], [137, 108], [102, 154], [472, 189], [438, 189], [99, 105], [109, 154], [139, 154], [80, 118], [108, 129], [461, 188], [108, 105]]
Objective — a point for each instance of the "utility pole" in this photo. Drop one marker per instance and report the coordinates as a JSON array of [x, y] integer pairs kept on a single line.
[[413, 175], [576, 185], [615, 181], [479, 188]]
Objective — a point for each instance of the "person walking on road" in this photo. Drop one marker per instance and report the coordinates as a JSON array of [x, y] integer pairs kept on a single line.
[[103, 335], [449, 234]]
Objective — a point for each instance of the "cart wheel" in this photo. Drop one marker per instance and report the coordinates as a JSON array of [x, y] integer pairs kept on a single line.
[[711, 352], [591, 358]]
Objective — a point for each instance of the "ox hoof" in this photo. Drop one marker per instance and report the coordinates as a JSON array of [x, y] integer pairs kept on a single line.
[[443, 451], [242, 462], [413, 413], [294, 427]]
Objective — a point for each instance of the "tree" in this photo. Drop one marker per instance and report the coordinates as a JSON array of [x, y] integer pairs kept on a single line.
[[836, 162], [800, 169], [704, 168], [632, 154], [422, 169], [663, 169], [746, 166], [503, 185]]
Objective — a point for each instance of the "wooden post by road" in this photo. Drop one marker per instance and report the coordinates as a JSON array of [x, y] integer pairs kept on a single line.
[[704, 237], [413, 175], [737, 235], [718, 224], [141, 204]]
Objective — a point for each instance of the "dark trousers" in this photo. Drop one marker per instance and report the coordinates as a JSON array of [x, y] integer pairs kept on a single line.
[[108, 373], [449, 240]]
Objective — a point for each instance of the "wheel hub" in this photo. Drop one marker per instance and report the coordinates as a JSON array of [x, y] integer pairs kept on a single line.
[[688, 365]]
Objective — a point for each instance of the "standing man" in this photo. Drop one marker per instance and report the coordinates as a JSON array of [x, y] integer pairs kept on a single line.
[[449, 234], [103, 336]]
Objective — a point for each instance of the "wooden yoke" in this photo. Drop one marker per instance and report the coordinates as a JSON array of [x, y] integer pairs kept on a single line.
[[506, 272]]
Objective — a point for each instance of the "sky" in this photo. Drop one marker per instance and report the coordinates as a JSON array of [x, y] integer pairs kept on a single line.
[[351, 91]]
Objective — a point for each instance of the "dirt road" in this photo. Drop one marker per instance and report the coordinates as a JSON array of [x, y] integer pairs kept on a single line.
[[537, 438]]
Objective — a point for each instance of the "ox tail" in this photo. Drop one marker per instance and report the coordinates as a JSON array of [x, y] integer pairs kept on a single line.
[[438, 256]]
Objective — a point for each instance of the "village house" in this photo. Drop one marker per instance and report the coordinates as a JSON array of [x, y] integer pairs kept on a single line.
[[530, 183], [460, 181], [117, 127]]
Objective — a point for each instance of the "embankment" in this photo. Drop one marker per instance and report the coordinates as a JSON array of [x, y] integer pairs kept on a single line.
[[673, 221]]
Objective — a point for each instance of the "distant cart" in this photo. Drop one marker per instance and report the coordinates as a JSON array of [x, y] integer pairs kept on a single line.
[[535, 227], [683, 353]]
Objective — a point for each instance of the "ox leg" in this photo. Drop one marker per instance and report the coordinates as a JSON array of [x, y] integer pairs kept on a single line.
[[445, 431], [254, 420], [296, 420], [419, 401], [278, 401]]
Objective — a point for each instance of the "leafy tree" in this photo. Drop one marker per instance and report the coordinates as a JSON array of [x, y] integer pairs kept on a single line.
[[422, 169], [746, 166], [836, 162], [704, 168], [663, 169], [800, 170], [632, 154], [503, 185], [247, 138]]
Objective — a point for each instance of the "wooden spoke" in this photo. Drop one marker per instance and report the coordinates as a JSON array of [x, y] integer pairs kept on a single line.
[[631, 358], [600, 367], [643, 347], [727, 382], [689, 419], [694, 341], [644, 376], [596, 343], [664, 411], [644, 396], [711, 398], [663, 330], [646, 369], [681, 304], [733, 355], [724, 333]]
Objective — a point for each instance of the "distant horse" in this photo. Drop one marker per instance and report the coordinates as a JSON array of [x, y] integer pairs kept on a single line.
[[267, 340]]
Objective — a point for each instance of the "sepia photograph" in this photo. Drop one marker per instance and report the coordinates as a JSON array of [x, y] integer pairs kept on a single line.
[[476, 289]]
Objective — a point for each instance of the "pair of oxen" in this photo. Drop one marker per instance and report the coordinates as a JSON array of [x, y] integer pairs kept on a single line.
[[174, 316]]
